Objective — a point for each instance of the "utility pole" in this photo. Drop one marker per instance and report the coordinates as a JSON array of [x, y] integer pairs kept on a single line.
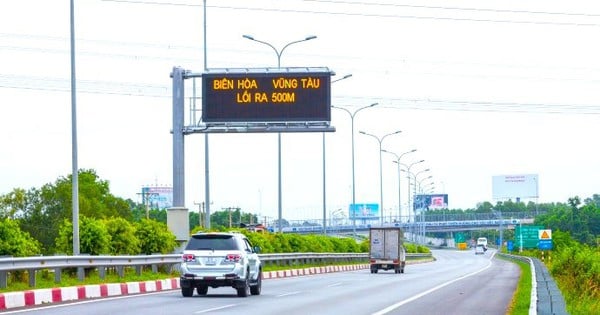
[[200, 213], [145, 199], [229, 209]]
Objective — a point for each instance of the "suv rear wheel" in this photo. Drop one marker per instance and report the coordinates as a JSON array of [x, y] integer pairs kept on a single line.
[[244, 290], [255, 289]]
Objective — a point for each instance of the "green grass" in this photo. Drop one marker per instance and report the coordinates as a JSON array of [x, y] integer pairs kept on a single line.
[[578, 303], [522, 297]]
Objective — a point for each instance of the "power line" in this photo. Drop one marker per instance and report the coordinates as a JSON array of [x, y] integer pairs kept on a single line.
[[396, 16], [147, 90], [452, 8], [476, 105]]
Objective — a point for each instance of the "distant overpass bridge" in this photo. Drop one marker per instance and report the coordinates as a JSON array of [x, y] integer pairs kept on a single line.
[[429, 226], [448, 223]]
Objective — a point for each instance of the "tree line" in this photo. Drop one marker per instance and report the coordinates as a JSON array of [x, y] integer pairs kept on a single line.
[[38, 220]]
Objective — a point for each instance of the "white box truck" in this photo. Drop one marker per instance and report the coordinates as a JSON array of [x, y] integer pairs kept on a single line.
[[386, 250]]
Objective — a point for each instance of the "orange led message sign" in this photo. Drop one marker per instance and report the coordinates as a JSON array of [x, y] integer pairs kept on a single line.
[[266, 97]]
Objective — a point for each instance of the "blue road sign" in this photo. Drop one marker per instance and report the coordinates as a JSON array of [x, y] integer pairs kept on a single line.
[[545, 244]]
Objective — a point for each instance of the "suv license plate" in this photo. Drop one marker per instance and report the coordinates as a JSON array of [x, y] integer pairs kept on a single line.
[[384, 266], [210, 261]]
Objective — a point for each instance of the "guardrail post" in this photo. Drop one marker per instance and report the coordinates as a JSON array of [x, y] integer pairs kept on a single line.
[[138, 270], [102, 272], [3, 279], [154, 268], [31, 273], [121, 271], [57, 275], [80, 274]]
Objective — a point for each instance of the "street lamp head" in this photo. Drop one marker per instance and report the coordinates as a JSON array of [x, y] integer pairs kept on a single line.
[[413, 150], [342, 78], [310, 37], [364, 133], [374, 104], [248, 37]]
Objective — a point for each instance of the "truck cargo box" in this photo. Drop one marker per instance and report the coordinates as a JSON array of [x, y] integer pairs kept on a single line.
[[386, 250]]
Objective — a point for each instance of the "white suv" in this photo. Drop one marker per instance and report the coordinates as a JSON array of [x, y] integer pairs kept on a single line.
[[220, 260]]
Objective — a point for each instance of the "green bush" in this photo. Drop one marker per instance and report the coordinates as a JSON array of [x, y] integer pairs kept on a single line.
[[15, 242], [94, 238], [123, 239], [155, 237]]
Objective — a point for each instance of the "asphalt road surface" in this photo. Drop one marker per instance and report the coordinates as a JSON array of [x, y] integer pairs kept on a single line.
[[458, 282]]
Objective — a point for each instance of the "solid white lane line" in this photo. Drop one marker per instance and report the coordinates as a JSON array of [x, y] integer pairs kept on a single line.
[[395, 306]]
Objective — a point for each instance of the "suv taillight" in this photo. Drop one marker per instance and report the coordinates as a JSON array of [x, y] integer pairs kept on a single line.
[[188, 257], [233, 257]]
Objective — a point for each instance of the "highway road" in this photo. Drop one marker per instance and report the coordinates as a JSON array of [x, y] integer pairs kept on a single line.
[[458, 282]]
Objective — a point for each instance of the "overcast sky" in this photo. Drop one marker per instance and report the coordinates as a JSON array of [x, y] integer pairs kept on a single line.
[[478, 88]]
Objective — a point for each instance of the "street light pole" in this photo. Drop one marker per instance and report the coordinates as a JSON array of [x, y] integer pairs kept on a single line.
[[398, 157], [408, 167], [279, 53], [352, 115], [422, 224], [499, 215], [324, 181], [410, 206], [421, 187], [380, 140]]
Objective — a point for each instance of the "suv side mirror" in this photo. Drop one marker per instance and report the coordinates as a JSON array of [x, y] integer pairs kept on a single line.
[[257, 249]]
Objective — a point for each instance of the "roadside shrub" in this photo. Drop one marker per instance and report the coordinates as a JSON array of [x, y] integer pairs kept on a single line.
[[94, 238], [154, 237], [123, 239], [15, 242]]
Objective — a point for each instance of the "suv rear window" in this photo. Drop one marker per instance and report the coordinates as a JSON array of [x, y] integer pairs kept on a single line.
[[212, 242]]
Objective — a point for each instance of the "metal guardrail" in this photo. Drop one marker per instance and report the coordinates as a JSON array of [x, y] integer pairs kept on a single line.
[[546, 297], [102, 263], [549, 297]]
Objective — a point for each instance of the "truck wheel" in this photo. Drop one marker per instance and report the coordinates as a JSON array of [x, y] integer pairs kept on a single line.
[[187, 292], [202, 290]]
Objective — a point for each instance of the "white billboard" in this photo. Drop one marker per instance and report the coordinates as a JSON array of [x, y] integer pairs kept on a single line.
[[157, 197], [515, 186]]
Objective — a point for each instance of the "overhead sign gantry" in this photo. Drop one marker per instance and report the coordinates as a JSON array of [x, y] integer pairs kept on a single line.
[[266, 100]]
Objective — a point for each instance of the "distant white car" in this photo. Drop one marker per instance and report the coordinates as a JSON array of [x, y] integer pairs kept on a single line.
[[479, 249], [482, 241]]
